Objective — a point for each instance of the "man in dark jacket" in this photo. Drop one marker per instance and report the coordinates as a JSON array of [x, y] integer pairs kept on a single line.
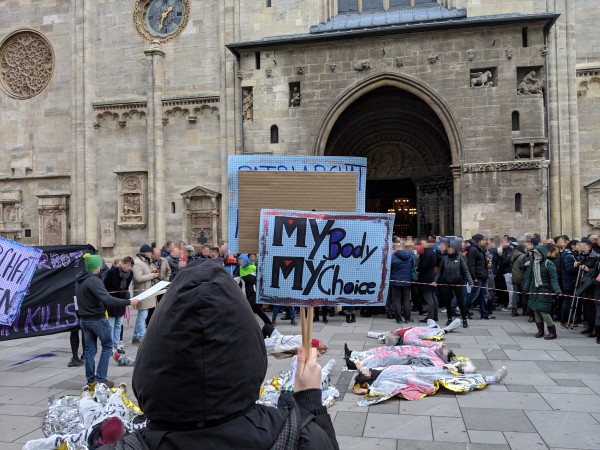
[[505, 270], [92, 300], [478, 268], [400, 279], [426, 270], [568, 277], [212, 361], [587, 260], [117, 281]]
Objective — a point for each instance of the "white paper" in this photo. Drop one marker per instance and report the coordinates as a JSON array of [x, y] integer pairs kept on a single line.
[[158, 289]]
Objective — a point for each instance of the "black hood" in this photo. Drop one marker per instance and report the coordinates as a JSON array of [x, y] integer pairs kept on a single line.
[[82, 276], [203, 357]]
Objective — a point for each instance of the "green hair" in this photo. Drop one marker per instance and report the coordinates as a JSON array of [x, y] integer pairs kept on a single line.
[[92, 262]]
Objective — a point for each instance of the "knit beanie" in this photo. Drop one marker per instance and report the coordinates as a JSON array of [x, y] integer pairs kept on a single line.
[[92, 262]]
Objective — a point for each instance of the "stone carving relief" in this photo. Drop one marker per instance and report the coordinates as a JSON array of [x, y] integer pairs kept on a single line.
[[509, 52], [530, 147], [269, 72], [530, 84], [202, 210], [433, 58], [53, 212], [399, 61], [300, 70], [471, 54], [482, 79], [506, 166], [593, 201], [26, 64], [240, 75], [544, 50], [332, 67], [362, 65], [107, 234], [132, 199], [11, 213], [247, 104]]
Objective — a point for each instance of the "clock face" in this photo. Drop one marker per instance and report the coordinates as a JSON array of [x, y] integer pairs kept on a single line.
[[164, 17]]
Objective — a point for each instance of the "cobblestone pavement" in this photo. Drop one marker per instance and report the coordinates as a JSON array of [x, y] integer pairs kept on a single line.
[[550, 398]]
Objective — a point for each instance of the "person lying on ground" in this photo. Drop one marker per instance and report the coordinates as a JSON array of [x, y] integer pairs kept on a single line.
[[428, 336]]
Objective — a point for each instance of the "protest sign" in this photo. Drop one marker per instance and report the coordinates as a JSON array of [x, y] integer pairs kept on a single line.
[[283, 181], [324, 258], [158, 289], [18, 262], [49, 306]]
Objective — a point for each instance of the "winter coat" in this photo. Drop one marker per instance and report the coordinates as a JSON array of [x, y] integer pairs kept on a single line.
[[142, 280], [426, 268], [93, 298], [212, 361], [516, 259], [568, 271], [540, 298], [477, 263], [112, 283], [402, 268], [505, 262], [588, 279], [453, 270], [163, 267]]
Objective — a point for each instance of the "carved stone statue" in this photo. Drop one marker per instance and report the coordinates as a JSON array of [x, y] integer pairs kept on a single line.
[[530, 84], [269, 72], [300, 70], [10, 214], [332, 66], [471, 54], [295, 100], [482, 79], [433, 58], [399, 61], [544, 50], [362, 65], [509, 52], [247, 105]]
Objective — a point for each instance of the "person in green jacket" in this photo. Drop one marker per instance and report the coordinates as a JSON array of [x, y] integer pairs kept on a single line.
[[540, 281]]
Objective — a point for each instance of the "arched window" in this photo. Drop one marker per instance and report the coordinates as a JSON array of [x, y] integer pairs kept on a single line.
[[173, 207], [274, 134], [268, 3], [516, 121], [518, 203]]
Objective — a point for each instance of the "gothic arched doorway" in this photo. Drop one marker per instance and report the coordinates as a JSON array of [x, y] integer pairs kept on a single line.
[[409, 157]]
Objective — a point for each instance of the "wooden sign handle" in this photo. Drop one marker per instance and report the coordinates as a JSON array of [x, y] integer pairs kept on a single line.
[[306, 321]]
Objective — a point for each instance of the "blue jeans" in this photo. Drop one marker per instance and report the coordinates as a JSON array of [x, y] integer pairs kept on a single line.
[[92, 329], [479, 291], [116, 323], [140, 324], [291, 309]]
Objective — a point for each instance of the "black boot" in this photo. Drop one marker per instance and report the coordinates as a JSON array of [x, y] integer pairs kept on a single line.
[[551, 333], [353, 318], [348, 318], [347, 351], [597, 335], [325, 318], [540, 327]]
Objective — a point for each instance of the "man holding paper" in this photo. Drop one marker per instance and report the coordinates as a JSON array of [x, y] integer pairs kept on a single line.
[[92, 300]]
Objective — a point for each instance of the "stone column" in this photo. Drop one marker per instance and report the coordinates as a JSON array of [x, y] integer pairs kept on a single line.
[[457, 186], [157, 227]]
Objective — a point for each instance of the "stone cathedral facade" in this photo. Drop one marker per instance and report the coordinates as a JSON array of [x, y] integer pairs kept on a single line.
[[117, 116]]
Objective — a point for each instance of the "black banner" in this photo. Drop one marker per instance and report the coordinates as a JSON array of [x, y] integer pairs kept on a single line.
[[49, 306]]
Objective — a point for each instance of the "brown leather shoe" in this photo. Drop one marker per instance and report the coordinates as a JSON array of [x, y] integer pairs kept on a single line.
[[515, 313], [108, 383]]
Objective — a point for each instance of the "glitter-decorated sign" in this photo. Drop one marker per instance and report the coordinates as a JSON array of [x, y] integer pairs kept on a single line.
[[315, 259], [294, 190], [18, 263]]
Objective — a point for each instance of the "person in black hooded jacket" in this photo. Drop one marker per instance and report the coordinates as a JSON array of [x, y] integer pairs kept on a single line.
[[199, 370]]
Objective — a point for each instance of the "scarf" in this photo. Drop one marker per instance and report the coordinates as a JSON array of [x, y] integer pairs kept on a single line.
[[247, 270], [537, 274], [124, 276]]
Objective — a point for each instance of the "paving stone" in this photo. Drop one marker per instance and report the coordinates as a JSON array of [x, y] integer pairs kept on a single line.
[[431, 406], [567, 382], [521, 388], [575, 403], [390, 406], [482, 364], [360, 443], [483, 419], [486, 437], [28, 395], [524, 441], [404, 444], [22, 410], [9, 446], [388, 426], [349, 423], [494, 354], [565, 390], [566, 429], [528, 355], [13, 427], [569, 367], [538, 344], [449, 429], [561, 355], [504, 400], [582, 350]]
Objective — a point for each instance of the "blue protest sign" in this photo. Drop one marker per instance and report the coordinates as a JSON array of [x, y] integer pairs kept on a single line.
[[18, 262], [315, 259], [237, 163]]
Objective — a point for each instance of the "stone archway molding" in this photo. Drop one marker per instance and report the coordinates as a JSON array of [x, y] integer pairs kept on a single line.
[[401, 81], [421, 90]]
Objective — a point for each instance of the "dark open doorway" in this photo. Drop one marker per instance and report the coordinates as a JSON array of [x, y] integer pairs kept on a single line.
[[397, 197]]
